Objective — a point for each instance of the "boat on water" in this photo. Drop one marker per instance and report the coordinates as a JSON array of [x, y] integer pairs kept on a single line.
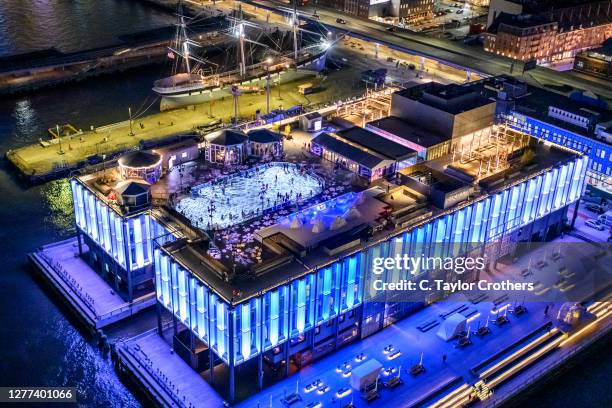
[[258, 63]]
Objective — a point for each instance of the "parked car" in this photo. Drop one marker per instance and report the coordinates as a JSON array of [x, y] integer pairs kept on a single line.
[[392, 28], [595, 225], [340, 21], [597, 209], [460, 11], [606, 218]]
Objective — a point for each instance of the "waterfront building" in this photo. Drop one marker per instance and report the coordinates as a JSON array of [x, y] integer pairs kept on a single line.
[[365, 8], [306, 298], [412, 11], [264, 143], [578, 121], [232, 147], [479, 3], [252, 307], [227, 147], [115, 231], [427, 144], [546, 32], [176, 154], [429, 118], [141, 165], [408, 11]]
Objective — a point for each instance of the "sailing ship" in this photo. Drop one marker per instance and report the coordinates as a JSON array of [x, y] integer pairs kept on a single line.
[[197, 79]]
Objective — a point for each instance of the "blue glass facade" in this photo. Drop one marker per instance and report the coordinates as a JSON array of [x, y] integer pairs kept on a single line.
[[599, 152], [128, 241], [240, 332]]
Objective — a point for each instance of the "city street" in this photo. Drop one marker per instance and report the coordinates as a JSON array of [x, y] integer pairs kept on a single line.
[[453, 52]]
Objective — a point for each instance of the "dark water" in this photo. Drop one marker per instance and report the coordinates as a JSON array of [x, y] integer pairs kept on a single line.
[[71, 25], [39, 346]]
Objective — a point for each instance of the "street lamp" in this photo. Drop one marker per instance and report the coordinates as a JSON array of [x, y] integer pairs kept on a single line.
[[59, 137], [130, 114], [268, 62]]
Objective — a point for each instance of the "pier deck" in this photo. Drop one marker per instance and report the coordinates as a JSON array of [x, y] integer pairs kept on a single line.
[[43, 159], [511, 358], [91, 297], [163, 374], [169, 379]]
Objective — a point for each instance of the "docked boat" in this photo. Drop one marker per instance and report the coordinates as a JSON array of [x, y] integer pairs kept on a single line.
[[268, 59]]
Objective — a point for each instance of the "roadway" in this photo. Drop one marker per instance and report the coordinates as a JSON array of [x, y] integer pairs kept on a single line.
[[452, 53]]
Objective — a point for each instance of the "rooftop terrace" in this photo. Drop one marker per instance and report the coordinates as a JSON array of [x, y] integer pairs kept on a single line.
[[305, 228]]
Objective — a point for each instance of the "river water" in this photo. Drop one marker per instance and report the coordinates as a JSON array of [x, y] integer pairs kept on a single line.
[[39, 345], [72, 25]]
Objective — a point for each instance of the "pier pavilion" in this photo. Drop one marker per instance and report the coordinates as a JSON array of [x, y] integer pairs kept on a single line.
[[310, 291]]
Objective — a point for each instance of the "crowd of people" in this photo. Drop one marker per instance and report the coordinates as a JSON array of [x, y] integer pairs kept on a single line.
[[248, 194]]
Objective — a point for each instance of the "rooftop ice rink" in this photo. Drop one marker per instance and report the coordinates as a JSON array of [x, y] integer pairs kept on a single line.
[[245, 195]]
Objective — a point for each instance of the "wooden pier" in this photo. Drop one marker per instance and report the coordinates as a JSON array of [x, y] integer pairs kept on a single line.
[[60, 157], [164, 376], [81, 288]]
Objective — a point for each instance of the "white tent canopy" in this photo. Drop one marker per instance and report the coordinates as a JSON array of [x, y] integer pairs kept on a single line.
[[338, 223], [318, 226], [353, 214], [296, 223], [452, 326]]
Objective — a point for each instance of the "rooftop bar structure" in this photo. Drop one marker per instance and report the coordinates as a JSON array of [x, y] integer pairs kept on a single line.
[[308, 290]]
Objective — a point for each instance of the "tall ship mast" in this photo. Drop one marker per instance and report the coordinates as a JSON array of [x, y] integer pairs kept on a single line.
[[262, 52]]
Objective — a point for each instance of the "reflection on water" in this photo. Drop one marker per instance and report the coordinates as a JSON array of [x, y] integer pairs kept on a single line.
[[39, 344], [26, 122], [58, 197], [83, 366], [28, 25]]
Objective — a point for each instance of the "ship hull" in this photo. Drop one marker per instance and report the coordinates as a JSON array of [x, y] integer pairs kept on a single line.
[[179, 99]]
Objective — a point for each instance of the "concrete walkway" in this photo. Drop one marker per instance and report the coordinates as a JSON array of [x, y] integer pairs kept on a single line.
[[39, 159]]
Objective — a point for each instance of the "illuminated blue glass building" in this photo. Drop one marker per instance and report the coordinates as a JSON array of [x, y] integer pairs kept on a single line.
[[310, 290], [319, 296], [118, 235]]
